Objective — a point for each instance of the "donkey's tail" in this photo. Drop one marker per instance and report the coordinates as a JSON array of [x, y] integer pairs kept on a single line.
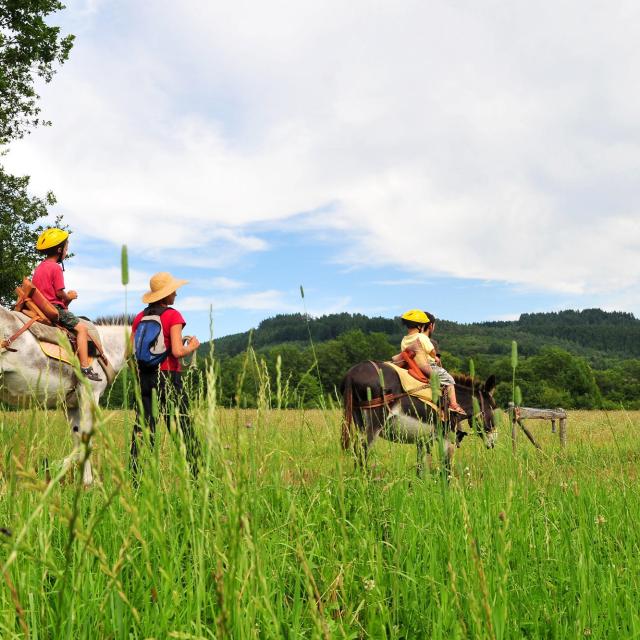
[[347, 394]]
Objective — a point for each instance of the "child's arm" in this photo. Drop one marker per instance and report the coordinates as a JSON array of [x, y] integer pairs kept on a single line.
[[66, 296]]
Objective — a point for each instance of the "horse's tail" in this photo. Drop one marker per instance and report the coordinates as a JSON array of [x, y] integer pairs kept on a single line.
[[347, 394]]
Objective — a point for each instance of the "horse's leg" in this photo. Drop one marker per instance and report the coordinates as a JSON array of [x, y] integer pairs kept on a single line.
[[81, 420], [79, 437], [74, 422]]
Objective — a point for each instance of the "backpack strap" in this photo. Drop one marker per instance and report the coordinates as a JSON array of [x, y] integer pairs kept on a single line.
[[154, 311]]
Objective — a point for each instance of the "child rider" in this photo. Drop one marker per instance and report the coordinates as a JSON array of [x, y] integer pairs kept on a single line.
[[419, 329], [49, 279]]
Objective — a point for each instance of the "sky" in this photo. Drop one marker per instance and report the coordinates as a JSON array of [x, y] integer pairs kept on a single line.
[[478, 159]]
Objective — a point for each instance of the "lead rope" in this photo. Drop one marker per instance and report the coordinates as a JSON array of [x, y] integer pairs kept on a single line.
[[6, 343]]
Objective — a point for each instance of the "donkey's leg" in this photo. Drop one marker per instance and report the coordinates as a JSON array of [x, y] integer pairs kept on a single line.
[[449, 454], [372, 422], [448, 450], [423, 456]]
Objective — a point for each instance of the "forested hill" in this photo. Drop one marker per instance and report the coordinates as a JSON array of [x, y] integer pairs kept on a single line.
[[583, 359], [592, 333], [573, 359]]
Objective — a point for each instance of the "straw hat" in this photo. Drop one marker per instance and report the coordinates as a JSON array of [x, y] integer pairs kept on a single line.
[[161, 285]]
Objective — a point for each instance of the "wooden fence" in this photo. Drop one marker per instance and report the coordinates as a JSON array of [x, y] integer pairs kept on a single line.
[[519, 414]]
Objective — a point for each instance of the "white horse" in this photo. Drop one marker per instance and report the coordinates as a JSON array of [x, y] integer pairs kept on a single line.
[[28, 377]]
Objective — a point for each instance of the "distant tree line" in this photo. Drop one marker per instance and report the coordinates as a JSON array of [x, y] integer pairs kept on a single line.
[[571, 365]]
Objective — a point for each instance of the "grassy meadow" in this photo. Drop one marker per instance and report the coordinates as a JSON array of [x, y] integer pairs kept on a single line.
[[281, 537]]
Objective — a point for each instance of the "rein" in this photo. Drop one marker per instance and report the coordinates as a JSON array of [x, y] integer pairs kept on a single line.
[[387, 398], [384, 401]]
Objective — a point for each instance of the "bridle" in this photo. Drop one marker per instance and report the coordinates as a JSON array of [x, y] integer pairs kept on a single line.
[[480, 415]]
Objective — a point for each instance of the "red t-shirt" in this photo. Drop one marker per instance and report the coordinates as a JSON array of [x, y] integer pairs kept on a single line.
[[169, 318], [48, 278]]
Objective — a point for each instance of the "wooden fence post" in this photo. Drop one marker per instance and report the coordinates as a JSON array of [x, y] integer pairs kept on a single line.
[[563, 432]]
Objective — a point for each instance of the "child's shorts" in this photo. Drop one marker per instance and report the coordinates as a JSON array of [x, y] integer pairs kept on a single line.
[[445, 377], [67, 319]]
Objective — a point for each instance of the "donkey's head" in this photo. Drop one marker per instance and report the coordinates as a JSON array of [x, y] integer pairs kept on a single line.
[[487, 408], [477, 401]]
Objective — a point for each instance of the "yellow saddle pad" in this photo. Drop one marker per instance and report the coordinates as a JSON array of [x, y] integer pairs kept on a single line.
[[413, 387], [57, 352]]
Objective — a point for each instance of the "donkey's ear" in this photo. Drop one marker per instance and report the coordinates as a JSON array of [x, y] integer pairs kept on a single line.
[[490, 384]]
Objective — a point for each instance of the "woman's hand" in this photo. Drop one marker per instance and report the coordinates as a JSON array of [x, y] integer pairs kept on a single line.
[[178, 348]]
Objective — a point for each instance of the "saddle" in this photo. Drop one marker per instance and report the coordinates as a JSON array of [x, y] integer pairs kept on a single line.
[[409, 363], [40, 317], [412, 386]]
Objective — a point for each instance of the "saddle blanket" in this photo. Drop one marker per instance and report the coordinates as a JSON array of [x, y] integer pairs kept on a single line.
[[413, 387], [48, 338], [57, 352]]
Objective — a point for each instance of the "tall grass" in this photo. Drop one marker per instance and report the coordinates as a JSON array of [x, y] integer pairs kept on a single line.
[[280, 536]]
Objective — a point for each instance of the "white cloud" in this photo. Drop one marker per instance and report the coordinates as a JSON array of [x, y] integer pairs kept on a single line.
[[490, 140], [270, 300], [505, 317], [403, 282], [99, 288]]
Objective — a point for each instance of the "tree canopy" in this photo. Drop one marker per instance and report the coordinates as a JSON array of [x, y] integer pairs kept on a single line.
[[30, 51]]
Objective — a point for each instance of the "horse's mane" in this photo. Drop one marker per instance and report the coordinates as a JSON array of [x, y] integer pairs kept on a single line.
[[121, 320], [464, 380]]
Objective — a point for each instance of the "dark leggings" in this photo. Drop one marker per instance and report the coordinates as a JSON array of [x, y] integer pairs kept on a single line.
[[172, 404]]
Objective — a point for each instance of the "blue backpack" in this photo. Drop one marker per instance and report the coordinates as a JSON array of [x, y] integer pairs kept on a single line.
[[149, 347]]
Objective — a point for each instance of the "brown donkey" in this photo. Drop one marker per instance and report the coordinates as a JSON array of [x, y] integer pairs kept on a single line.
[[376, 404]]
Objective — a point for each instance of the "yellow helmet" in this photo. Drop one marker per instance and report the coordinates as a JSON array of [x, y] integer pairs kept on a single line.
[[51, 238], [415, 315]]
